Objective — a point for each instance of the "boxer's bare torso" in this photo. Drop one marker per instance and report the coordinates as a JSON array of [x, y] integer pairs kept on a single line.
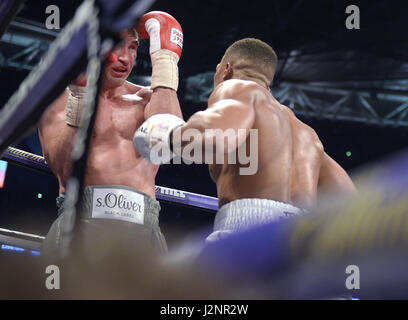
[[123, 106], [292, 164], [113, 158]]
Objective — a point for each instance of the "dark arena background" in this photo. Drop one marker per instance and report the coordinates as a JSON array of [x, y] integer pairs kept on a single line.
[[348, 85]]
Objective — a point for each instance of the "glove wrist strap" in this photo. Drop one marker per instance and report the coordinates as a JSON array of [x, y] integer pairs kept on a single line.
[[75, 104], [165, 69]]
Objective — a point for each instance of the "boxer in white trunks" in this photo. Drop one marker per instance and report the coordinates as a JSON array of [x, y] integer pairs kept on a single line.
[[291, 163]]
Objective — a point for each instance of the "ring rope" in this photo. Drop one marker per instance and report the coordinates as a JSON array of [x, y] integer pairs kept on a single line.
[[190, 199]]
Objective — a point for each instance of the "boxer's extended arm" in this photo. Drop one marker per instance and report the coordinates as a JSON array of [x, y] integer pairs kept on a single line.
[[334, 177], [56, 138], [230, 116]]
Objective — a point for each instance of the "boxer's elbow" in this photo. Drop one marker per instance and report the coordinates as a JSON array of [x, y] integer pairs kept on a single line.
[[350, 188]]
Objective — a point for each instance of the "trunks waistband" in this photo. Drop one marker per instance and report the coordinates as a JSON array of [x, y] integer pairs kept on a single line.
[[244, 213], [117, 203]]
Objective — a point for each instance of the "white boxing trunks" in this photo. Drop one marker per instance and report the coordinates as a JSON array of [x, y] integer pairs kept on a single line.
[[243, 214]]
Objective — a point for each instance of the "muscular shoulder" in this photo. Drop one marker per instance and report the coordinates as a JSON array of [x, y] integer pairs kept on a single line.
[[234, 87], [56, 110], [305, 132], [138, 91], [237, 89]]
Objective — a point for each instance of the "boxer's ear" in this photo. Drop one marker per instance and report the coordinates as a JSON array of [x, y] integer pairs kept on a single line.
[[227, 72]]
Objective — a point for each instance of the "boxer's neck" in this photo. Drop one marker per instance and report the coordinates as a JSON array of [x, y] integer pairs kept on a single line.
[[244, 70], [110, 91], [257, 79]]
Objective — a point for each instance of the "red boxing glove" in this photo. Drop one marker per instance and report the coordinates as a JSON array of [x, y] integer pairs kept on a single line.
[[166, 43], [163, 30], [81, 80]]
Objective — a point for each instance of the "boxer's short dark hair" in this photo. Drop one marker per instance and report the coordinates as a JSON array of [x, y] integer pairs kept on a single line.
[[256, 51], [132, 32]]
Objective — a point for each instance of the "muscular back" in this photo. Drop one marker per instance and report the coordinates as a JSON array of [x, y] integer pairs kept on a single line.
[[289, 155]]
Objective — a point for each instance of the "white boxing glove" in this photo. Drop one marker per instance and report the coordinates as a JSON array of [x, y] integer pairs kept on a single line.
[[152, 138]]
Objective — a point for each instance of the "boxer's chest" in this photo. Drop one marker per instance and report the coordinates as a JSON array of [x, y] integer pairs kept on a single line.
[[118, 120]]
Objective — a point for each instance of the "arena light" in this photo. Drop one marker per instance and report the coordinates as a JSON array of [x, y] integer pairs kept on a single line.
[[3, 169], [11, 248]]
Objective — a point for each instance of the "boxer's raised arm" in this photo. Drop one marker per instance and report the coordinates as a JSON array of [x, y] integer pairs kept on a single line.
[[163, 100], [166, 42], [56, 138]]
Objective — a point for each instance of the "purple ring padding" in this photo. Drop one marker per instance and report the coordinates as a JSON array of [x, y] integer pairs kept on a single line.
[[45, 83], [28, 98], [8, 9], [26, 159], [5, 9]]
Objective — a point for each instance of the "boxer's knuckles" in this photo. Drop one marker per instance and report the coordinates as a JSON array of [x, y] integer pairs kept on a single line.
[[163, 30]]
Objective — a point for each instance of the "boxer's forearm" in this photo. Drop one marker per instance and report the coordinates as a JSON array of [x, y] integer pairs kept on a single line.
[[201, 136], [196, 134], [163, 100], [56, 138], [218, 131], [166, 43], [57, 149]]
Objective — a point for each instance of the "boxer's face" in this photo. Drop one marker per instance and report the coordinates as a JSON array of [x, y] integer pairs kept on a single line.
[[118, 71]]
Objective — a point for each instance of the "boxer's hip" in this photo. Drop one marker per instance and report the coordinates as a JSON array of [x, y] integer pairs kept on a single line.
[[117, 203], [243, 214], [115, 212]]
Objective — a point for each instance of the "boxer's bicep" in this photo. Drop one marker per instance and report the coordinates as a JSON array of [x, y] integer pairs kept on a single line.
[[224, 126], [52, 119], [232, 114], [333, 176], [225, 114], [56, 137]]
